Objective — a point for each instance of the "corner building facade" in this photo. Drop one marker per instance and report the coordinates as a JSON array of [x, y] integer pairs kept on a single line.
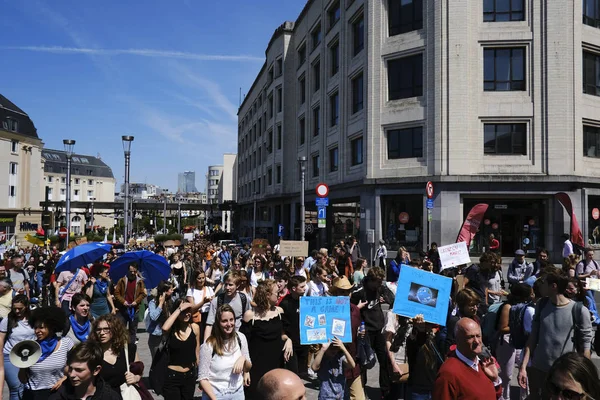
[[495, 102]]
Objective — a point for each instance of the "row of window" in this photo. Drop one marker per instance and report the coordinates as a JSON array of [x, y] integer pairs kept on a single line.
[[76, 181], [11, 125], [63, 192]]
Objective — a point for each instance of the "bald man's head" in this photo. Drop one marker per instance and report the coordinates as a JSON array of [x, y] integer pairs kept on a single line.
[[281, 384], [468, 338]]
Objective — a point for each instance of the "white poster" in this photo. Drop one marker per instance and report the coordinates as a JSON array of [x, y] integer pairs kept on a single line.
[[453, 255]]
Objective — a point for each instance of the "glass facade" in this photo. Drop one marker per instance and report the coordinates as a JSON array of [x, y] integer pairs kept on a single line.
[[402, 221]]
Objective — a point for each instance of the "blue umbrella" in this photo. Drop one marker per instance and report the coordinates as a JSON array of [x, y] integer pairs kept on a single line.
[[154, 268], [82, 255]]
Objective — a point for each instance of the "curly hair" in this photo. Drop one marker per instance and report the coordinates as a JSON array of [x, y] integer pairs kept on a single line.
[[119, 335], [53, 318], [262, 294]]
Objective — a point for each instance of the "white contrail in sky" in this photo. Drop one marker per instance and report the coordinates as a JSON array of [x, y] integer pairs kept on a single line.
[[137, 52]]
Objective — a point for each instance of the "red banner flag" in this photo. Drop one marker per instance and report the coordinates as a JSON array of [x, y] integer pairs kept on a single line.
[[576, 235], [471, 224]]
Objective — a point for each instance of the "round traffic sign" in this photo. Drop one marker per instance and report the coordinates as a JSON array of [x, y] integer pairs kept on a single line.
[[322, 190], [63, 232], [403, 217], [429, 189], [595, 213]]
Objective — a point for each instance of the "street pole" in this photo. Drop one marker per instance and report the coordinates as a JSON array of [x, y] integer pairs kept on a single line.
[[254, 219], [69, 144], [92, 216], [179, 216], [165, 217], [302, 162], [127, 150]]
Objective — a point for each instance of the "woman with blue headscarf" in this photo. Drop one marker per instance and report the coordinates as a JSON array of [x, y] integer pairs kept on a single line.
[[79, 325], [47, 374], [98, 290]]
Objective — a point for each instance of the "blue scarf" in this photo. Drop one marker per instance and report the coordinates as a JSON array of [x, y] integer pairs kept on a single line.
[[102, 286], [81, 331], [48, 345]]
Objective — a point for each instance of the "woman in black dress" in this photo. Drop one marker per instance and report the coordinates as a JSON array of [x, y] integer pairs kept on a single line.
[[263, 327]]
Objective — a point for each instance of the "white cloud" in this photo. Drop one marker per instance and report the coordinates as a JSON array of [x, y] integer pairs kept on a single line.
[[137, 52]]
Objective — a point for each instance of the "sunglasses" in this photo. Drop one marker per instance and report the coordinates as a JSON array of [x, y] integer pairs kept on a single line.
[[566, 394]]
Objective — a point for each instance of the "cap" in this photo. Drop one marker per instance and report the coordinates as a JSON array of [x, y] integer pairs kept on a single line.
[[519, 253]]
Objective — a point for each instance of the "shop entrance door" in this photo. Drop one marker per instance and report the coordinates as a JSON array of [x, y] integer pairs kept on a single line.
[[510, 236]]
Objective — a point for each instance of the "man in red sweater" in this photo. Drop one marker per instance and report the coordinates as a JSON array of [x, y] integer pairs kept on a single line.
[[464, 375]]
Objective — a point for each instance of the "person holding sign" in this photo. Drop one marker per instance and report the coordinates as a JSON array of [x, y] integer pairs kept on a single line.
[[330, 363]]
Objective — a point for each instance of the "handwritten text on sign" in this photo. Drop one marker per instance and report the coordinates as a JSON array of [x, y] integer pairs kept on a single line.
[[323, 318], [454, 255]]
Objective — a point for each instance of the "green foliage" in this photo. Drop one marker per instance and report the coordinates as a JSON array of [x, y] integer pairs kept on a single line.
[[164, 238]]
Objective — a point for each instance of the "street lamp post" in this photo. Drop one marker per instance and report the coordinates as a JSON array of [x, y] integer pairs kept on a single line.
[[165, 216], [179, 216], [302, 162], [254, 220], [69, 144], [127, 150]]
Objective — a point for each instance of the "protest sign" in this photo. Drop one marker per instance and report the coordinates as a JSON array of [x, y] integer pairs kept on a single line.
[[421, 292], [293, 248], [592, 283], [323, 318], [454, 254], [259, 246]]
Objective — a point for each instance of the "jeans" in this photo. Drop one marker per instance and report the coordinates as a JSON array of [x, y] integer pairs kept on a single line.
[[130, 324], [39, 282], [180, 385], [420, 396], [11, 376], [505, 355], [237, 395]]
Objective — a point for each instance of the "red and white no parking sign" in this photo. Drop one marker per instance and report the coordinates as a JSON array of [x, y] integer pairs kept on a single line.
[[322, 190], [429, 189]]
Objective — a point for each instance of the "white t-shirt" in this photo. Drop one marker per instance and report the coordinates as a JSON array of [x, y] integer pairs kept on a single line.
[[198, 295], [317, 289], [567, 248]]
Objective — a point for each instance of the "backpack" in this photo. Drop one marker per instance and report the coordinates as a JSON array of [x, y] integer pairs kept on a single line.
[[489, 324], [516, 316], [221, 301], [159, 368]]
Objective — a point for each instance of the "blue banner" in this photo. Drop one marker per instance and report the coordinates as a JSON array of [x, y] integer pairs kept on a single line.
[[421, 292], [323, 318]]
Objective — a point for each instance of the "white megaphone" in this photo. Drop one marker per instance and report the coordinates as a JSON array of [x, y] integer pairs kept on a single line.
[[26, 353]]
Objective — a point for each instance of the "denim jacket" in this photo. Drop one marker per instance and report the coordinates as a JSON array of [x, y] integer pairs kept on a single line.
[[154, 313]]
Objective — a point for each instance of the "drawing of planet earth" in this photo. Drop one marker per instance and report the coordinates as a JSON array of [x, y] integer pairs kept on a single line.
[[424, 295]]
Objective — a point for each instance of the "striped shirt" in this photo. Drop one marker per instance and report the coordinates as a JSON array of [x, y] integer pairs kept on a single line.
[[45, 374]]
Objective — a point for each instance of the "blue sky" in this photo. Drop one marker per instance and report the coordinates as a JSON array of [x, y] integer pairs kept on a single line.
[[167, 72]]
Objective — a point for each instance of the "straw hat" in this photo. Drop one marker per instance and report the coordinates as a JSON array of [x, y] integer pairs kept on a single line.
[[341, 283]]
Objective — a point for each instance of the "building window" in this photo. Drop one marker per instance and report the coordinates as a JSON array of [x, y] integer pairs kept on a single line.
[[503, 10], [302, 130], [302, 85], [358, 35], [334, 108], [270, 80], [11, 125], [315, 166], [63, 192], [405, 77], [270, 142], [76, 192], [356, 146], [259, 156], [12, 191], [12, 168], [591, 73], [278, 174], [333, 159], [280, 67], [269, 177], [63, 180], [317, 75], [334, 14], [504, 139], [357, 93], [76, 180], [316, 37], [591, 141], [271, 105], [591, 13], [278, 137], [90, 193], [334, 52], [90, 182], [49, 189], [405, 143], [504, 69], [316, 120], [302, 55], [279, 100], [14, 146], [404, 16], [50, 179]]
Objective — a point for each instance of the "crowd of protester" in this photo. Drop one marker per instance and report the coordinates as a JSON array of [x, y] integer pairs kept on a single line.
[[226, 322]]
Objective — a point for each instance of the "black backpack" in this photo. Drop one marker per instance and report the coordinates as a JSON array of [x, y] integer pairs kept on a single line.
[[160, 362], [221, 301]]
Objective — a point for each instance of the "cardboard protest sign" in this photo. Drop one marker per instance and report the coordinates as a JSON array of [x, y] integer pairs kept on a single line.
[[421, 292], [323, 318], [293, 248], [259, 246], [454, 254], [592, 283]]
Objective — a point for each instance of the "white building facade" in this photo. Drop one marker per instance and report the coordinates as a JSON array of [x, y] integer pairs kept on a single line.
[[228, 190], [492, 101]]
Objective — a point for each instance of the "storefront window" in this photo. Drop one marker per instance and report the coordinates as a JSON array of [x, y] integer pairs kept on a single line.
[[515, 224], [594, 221], [402, 222], [346, 221]]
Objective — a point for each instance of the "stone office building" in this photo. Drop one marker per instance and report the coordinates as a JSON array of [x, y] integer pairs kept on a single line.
[[495, 102]]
